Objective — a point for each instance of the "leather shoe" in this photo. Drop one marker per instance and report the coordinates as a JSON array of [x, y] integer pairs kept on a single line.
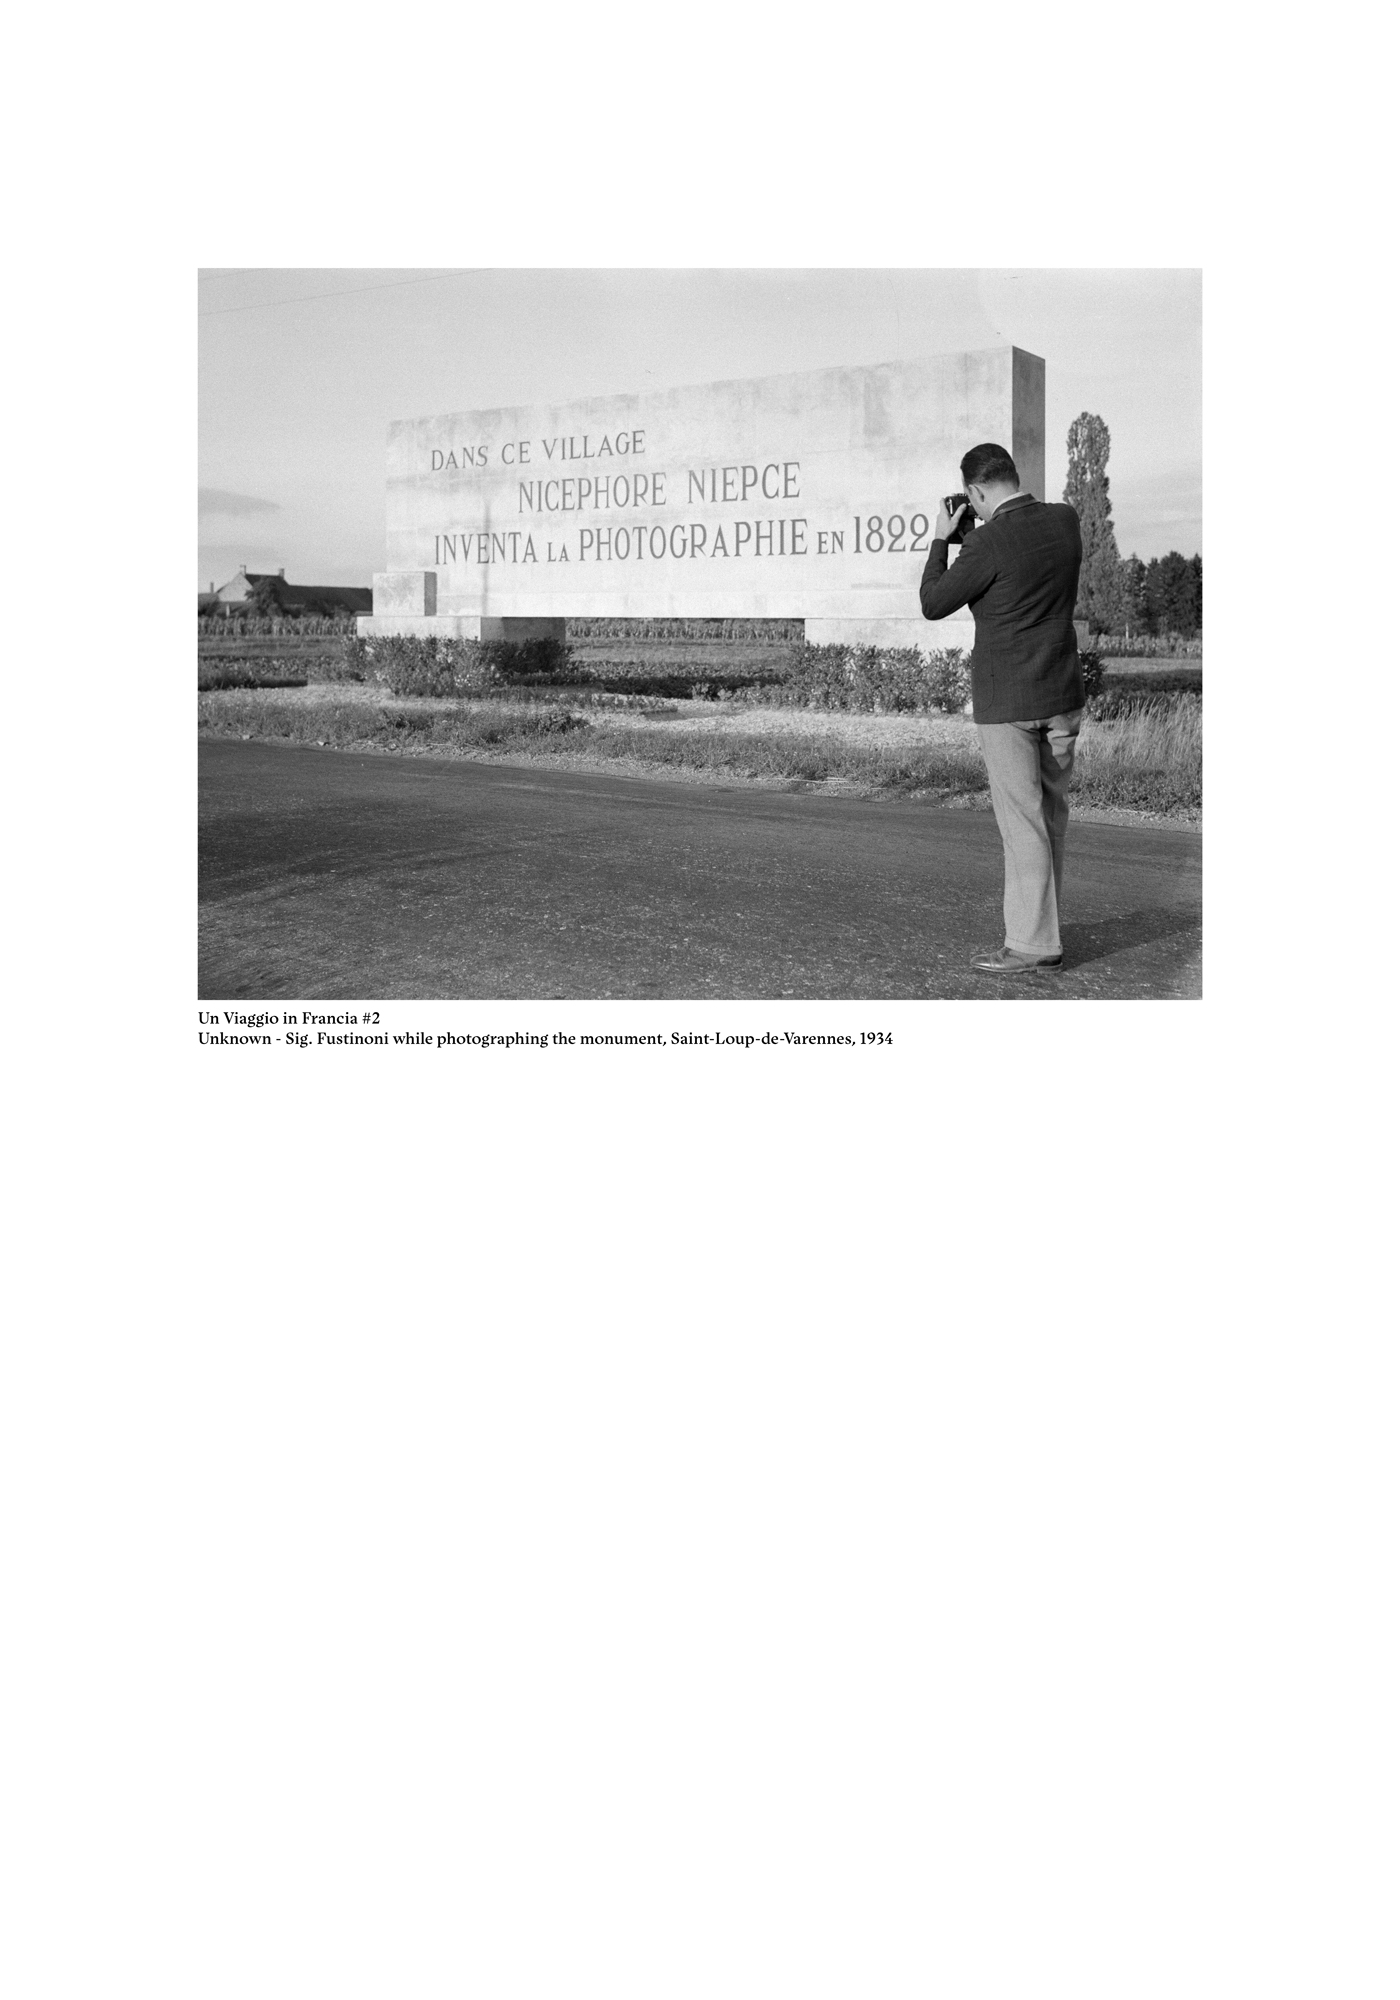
[[1007, 960]]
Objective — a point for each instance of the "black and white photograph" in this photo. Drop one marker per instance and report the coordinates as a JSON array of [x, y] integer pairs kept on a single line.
[[700, 634], [589, 1409]]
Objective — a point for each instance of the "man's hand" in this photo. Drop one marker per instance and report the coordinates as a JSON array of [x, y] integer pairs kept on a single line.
[[947, 522]]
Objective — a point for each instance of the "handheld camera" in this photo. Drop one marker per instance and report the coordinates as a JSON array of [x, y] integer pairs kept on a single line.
[[952, 501]]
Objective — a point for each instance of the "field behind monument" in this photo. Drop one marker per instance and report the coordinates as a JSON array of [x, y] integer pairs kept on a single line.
[[268, 652]]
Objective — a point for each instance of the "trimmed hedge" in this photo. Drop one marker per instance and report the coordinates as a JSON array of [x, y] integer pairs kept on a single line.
[[219, 674], [892, 680], [897, 680], [439, 666]]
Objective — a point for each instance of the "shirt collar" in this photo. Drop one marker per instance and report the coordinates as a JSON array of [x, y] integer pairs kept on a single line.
[[1019, 494]]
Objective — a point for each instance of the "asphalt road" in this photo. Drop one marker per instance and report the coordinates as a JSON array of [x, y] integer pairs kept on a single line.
[[325, 875]]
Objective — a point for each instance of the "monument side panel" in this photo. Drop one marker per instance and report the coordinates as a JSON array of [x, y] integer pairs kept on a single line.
[[1028, 421]]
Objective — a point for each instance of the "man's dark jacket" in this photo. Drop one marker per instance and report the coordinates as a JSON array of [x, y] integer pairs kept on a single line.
[[1020, 574]]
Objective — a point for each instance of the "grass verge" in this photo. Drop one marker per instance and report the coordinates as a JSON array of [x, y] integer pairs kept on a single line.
[[1148, 760], [360, 726], [950, 769]]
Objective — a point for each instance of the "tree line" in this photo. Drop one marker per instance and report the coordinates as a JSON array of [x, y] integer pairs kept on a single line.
[[1123, 593]]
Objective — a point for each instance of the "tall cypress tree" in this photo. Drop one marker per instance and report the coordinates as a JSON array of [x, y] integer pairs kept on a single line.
[[1086, 490]]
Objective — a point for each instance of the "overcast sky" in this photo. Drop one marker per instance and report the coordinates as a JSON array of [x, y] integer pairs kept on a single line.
[[302, 371]]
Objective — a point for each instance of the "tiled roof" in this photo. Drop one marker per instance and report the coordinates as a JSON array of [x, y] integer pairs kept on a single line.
[[311, 596], [308, 596]]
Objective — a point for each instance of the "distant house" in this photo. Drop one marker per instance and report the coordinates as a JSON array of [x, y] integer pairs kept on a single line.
[[311, 600]]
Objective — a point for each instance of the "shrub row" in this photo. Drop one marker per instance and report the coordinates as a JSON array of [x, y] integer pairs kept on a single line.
[[869, 679], [441, 666], [888, 680], [863, 679], [215, 674], [437, 666]]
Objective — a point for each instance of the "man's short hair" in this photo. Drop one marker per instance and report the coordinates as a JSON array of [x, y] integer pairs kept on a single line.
[[989, 465]]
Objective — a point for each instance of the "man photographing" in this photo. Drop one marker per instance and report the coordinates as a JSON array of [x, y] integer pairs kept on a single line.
[[1019, 573]]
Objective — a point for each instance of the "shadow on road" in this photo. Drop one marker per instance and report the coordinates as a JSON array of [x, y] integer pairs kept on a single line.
[[1083, 943]]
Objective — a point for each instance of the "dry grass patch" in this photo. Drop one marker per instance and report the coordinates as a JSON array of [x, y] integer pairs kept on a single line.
[[1149, 758], [814, 755], [444, 727]]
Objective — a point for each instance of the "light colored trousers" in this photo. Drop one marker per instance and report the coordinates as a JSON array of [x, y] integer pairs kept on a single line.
[[1029, 765]]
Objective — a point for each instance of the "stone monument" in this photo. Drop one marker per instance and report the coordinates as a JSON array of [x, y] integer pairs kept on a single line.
[[805, 496]]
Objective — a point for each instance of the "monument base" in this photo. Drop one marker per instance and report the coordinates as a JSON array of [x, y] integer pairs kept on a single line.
[[939, 635], [930, 636], [452, 625]]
